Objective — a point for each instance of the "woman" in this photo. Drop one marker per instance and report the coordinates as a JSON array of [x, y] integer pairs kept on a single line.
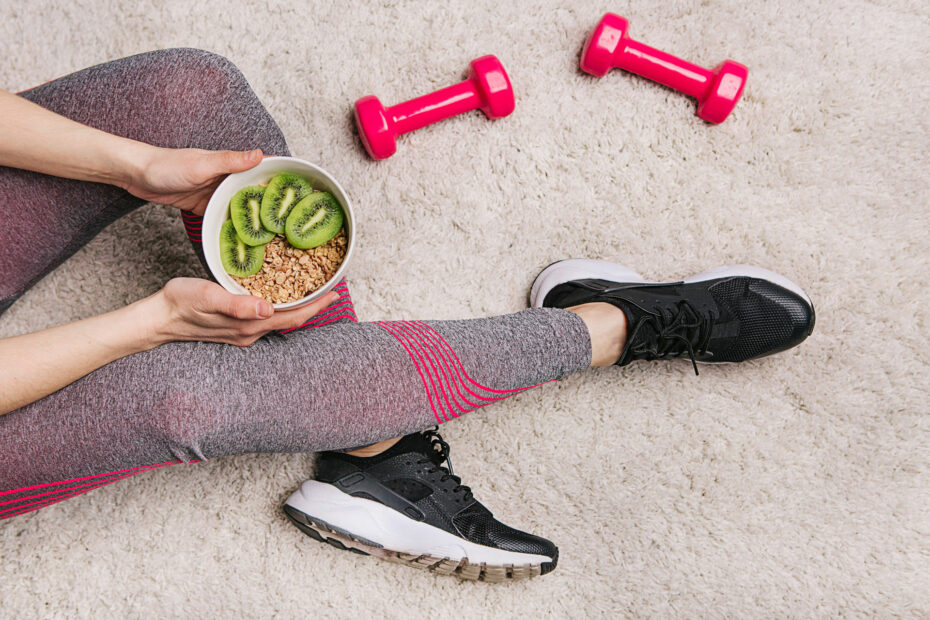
[[157, 382]]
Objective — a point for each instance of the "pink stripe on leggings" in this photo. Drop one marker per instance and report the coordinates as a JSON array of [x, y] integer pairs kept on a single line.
[[460, 382], [416, 365], [70, 492], [336, 308], [467, 376], [433, 358], [20, 510], [455, 381], [332, 320], [488, 399], [98, 481], [420, 362], [343, 313], [103, 477], [109, 473], [442, 345], [439, 388], [445, 382], [342, 302]]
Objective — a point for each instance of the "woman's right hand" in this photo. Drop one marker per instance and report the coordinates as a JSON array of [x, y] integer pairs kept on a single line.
[[195, 309]]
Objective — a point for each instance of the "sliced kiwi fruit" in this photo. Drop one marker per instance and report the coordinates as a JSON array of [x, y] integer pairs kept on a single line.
[[314, 220], [244, 211], [239, 258], [283, 192]]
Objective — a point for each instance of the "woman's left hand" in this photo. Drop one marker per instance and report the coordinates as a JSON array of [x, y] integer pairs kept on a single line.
[[186, 178]]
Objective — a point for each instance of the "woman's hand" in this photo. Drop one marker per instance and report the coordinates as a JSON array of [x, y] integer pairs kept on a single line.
[[185, 178], [194, 309]]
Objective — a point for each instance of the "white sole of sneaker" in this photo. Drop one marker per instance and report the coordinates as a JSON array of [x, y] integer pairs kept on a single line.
[[584, 268], [382, 530], [578, 269]]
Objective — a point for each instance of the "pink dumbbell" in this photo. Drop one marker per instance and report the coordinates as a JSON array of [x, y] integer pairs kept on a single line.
[[717, 90], [487, 89]]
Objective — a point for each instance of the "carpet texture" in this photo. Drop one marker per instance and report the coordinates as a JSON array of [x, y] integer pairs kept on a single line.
[[794, 486]]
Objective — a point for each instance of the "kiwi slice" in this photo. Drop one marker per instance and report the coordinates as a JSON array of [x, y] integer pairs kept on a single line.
[[314, 220], [244, 210], [239, 258], [283, 192]]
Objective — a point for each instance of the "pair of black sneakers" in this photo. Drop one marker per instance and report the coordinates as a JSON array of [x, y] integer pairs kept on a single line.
[[407, 505]]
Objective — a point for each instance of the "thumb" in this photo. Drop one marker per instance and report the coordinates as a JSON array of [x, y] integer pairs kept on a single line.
[[245, 307], [228, 162]]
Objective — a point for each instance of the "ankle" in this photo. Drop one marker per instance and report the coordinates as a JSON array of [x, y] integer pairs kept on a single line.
[[607, 326]]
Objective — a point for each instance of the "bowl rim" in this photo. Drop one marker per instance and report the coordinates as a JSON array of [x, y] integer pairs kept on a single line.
[[276, 164]]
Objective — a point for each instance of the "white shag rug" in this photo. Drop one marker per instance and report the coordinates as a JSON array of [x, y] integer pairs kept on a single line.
[[795, 486]]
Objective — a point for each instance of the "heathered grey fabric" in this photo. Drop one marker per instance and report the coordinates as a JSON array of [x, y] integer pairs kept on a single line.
[[337, 386]]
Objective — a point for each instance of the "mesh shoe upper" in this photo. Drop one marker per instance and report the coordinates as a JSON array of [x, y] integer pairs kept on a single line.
[[410, 477], [771, 318]]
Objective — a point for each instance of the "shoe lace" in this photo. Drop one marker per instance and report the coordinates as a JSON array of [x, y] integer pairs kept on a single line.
[[439, 455], [671, 332]]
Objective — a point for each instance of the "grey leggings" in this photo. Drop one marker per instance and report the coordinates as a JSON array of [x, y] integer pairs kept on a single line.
[[334, 384]]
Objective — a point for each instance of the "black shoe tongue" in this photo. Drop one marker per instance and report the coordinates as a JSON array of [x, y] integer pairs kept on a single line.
[[644, 339], [414, 442], [646, 333]]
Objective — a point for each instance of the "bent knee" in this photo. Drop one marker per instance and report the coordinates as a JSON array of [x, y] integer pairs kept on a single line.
[[195, 59], [212, 96], [213, 78]]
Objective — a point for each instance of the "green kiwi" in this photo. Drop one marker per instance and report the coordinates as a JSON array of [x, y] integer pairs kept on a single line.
[[314, 220], [239, 258], [244, 210], [283, 192]]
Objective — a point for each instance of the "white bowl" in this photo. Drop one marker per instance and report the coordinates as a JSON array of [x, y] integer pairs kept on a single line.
[[217, 212]]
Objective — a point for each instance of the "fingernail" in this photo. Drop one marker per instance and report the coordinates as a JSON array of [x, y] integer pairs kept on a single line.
[[265, 310]]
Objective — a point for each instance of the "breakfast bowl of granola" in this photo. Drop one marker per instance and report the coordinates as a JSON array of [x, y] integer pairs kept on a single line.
[[283, 231]]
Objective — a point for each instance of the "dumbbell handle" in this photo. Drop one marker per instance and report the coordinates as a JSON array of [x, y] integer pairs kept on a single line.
[[663, 68], [434, 107]]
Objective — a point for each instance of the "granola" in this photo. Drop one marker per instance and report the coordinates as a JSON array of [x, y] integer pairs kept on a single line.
[[290, 273]]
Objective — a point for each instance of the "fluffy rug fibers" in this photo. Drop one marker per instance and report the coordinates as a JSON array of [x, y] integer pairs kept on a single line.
[[793, 486]]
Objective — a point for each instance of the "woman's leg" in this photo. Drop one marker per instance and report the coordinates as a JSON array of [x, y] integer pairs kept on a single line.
[[341, 385], [172, 98], [349, 384]]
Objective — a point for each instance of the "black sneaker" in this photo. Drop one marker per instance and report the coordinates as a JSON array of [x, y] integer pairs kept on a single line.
[[403, 505], [728, 314]]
